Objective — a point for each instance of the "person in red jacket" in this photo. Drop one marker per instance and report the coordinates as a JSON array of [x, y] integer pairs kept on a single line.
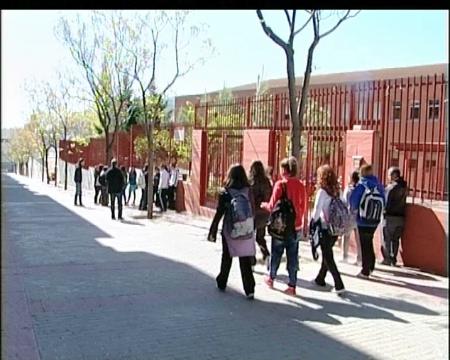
[[297, 194]]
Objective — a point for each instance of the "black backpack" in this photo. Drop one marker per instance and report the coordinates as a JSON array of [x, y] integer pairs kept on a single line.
[[281, 223]]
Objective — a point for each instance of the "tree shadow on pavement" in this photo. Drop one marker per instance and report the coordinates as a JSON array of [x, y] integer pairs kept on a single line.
[[84, 300]]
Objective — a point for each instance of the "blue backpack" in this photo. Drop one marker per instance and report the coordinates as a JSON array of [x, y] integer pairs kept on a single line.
[[239, 219]]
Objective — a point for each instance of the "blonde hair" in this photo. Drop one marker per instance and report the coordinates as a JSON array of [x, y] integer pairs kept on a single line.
[[366, 170]]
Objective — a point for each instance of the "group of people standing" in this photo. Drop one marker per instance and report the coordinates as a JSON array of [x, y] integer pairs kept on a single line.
[[250, 204], [111, 183]]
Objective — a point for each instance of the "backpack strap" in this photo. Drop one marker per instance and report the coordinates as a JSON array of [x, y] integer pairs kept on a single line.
[[284, 187]]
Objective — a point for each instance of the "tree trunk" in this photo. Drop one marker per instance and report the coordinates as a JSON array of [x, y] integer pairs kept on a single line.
[[150, 171], [46, 166], [306, 81], [56, 165], [43, 167], [65, 161], [26, 168], [295, 134], [108, 149]]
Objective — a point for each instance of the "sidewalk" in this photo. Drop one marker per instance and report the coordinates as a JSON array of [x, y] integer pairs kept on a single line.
[[140, 289]]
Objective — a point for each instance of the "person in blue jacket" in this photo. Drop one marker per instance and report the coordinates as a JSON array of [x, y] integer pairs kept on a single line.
[[367, 199]]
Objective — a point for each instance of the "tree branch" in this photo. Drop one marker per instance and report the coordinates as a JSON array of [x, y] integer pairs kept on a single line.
[[341, 20], [269, 31], [305, 24], [288, 18]]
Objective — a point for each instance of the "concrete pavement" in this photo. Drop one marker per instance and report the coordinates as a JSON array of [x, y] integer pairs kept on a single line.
[[77, 285]]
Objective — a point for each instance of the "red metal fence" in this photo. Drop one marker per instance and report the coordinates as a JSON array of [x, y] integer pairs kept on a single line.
[[409, 114], [123, 148]]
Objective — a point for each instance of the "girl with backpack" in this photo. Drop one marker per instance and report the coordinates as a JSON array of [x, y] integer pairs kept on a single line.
[[292, 188], [261, 190], [353, 181], [327, 189], [236, 205]]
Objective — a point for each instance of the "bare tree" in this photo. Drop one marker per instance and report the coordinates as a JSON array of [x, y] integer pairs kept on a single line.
[[147, 49], [97, 47], [38, 123], [60, 101], [315, 17]]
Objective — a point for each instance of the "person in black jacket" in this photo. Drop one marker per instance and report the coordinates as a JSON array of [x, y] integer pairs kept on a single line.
[[394, 216], [97, 185], [104, 186], [262, 191], [115, 181], [78, 179]]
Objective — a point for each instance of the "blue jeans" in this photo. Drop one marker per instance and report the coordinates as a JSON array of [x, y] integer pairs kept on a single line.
[[291, 246]]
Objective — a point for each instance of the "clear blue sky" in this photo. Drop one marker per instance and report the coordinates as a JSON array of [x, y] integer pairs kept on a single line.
[[374, 39]]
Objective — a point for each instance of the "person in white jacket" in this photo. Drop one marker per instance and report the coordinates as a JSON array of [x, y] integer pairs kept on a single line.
[[141, 185], [328, 187], [163, 187]]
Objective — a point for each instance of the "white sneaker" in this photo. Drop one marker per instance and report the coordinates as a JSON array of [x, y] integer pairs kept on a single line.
[[340, 291], [362, 276]]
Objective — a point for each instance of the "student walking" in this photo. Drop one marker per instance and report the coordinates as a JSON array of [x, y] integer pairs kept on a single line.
[[97, 185], [394, 216], [237, 207], [368, 200], [115, 180], [104, 186], [173, 182], [132, 185], [142, 184], [261, 190], [352, 182], [156, 178], [327, 189], [292, 188], [78, 178], [163, 187], [123, 170]]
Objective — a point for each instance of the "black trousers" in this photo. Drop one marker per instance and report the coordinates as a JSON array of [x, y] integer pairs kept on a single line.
[[171, 197], [104, 196], [248, 280], [367, 251], [156, 196], [392, 232], [98, 190], [163, 198], [328, 263], [113, 203], [143, 202], [261, 241]]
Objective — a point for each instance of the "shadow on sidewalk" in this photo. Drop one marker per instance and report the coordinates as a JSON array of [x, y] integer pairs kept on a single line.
[[88, 301], [410, 273], [365, 310], [429, 290]]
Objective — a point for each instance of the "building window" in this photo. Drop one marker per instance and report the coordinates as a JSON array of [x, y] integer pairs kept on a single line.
[[412, 164], [433, 109], [394, 158], [430, 161], [429, 164], [397, 110], [415, 110]]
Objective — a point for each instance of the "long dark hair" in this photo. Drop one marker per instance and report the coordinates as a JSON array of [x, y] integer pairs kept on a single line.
[[236, 177], [257, 173]]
